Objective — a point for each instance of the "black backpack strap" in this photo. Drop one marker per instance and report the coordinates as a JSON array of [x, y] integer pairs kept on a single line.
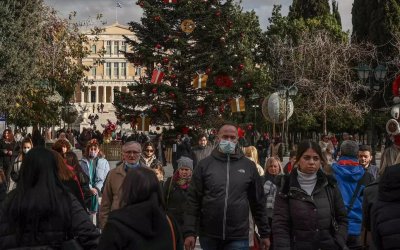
[[363, 181]]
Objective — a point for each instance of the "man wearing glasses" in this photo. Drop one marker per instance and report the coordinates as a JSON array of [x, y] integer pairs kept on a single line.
[[131, 151]]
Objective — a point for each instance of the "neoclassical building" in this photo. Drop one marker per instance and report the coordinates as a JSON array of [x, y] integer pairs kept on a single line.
[[115, 73]]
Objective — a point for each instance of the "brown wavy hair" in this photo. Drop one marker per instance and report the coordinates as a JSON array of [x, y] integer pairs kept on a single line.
[[64, 173], [91, 143], [59, 144], [11, 135]]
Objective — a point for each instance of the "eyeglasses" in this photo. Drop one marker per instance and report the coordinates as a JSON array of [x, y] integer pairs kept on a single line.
[[132, 152], [149, 150]]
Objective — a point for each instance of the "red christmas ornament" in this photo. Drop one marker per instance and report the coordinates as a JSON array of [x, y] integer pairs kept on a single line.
[[165, 60], [172, 95], [208, 71], [230, 24], [250, 127], [157, 18], [200, 110], [221, 109], [173, 77], [223, 81], [210, 91], [241, 66], [241, 132], [218, 13], [154, 90], [248, 85], [154, 109], [158, 46]]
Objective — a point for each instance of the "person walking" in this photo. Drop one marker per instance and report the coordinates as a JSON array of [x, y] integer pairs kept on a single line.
[[352, 179], [7, 153], [111, 196], [203, 149], [309, 213], [40, 213], [26, 145], [141, 222], [224, 185], [365, 158], [176, 188], [148, 157], [386, 211]]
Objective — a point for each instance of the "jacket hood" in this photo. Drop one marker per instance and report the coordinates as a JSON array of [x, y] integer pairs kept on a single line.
[[348, 168], [224, 157], [389, 184], [145, 218]]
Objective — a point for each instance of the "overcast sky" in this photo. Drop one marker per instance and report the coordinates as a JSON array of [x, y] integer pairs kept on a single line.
[[87, 9]]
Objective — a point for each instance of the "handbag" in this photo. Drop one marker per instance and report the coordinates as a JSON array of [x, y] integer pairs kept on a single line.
[[172, 232]]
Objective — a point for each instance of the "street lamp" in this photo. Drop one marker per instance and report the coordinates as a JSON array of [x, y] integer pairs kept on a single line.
[[374, 77], [253, 97], [286, 92]]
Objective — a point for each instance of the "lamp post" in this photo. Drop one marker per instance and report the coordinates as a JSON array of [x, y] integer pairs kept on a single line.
[[373, 78], [286, 92], [253, 97]]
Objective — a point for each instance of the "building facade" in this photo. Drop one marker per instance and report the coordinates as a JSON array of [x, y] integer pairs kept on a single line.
[[115, 73]]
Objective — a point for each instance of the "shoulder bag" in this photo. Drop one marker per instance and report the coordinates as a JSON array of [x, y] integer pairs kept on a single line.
[[172, 232]]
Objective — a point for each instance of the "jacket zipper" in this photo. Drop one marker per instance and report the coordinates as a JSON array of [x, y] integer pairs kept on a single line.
[[226, 196]]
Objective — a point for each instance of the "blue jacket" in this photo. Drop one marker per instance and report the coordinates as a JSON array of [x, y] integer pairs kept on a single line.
[[348, 172], [101, 168]]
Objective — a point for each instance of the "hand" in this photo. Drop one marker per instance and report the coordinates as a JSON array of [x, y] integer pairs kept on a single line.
[[265, 243], [190, 242], [94, 191]]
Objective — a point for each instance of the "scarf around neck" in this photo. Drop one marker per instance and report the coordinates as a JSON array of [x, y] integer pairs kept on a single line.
[[182, 183], [307, 181]]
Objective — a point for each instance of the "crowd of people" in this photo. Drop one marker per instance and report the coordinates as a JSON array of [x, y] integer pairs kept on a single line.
[[226, 195]]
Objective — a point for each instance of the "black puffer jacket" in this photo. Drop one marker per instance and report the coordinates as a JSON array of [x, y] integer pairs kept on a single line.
[[219, 195], [304, 222], [386, 211], [175, 199], [52, 232]]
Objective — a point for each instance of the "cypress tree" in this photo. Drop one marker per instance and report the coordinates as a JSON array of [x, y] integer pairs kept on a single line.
[[335, 13], [308, 9]]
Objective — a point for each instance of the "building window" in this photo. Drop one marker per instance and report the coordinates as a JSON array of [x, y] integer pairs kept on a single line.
[[123, 69], [123, 46], [93, 49], [108, 48], [93, 70], [116, 47], [138, 71], [116, 70], [108, 69]]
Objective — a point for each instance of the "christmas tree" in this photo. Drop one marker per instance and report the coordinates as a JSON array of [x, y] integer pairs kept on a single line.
[[201, 61]]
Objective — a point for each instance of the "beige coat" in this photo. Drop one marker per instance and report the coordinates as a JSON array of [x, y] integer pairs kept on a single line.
[[111, 193]]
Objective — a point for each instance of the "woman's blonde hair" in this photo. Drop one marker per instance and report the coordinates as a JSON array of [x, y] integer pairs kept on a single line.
[[251, 152], [270, 161]]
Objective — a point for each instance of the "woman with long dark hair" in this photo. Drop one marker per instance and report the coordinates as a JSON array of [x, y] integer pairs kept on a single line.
[[308, 211], [26, 145], [7, 153], [40, 212], [141, 223]]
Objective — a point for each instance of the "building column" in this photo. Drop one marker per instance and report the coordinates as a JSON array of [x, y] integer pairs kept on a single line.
[[112, 94], [82, 97], [104, 94]]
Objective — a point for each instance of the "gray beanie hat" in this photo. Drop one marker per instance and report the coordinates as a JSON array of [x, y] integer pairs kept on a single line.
[[185, 162], [349, 148]]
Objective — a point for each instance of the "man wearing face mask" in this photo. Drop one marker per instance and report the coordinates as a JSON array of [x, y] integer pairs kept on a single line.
[[111, 197], [225, 185]]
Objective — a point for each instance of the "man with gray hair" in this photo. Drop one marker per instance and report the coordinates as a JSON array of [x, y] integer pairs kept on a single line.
[[111, 196], [352, 179]]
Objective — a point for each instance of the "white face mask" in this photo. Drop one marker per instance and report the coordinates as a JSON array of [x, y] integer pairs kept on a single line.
[[227, 147], [26, 150], [92, 154]]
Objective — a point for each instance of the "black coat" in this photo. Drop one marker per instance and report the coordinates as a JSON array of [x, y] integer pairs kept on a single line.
[[53, 231], [386, 211], [141, 226], [220, 194], [175, 199], [304, 222]]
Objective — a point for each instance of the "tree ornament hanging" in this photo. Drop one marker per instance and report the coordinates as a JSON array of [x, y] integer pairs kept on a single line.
[[200, 81], [143, 122], [249, 85], [158, 46], [208, 71], [157, 18], [172, 95], [223, 81], [154, 90], [222, 39], [172, 77], [238, 104], [188, 26], [218, 13], [241, 66], [165, 60], [170, 1], [154, 109], [157, 75]]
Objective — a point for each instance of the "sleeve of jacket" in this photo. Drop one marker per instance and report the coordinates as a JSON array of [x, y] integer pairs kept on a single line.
[[194, 197], [257, 203], [111, 238], [341, 217], [87, 234], [103, 167], [106, 202], [281, 224], [376, 237]]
